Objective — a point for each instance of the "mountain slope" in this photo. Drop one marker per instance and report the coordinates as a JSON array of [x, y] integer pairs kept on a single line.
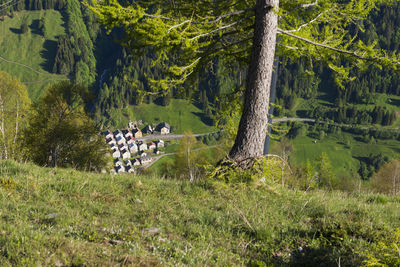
[[30, 55]]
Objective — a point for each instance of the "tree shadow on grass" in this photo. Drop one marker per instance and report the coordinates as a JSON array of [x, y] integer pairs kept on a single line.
[[35, 27], [205, 119], [16, 31], [48, 53]]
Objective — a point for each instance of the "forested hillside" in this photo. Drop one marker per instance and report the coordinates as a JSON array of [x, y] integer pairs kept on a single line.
[[43, 41], [79, 50]]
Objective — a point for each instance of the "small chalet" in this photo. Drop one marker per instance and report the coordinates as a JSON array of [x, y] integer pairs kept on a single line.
[[130, 139], [148, 129], [116, 154], [121, 146], [125, 131], [120, 169], [109, 135], [133, 148], [137, 133], [128, 134], [125, 154], [110, 141], [145, 160], [164, 128], [118, 133], [151, 145], [117, 162], [120, 140], [160, 143], [142, 146], [132, 125], [130, 169], [135, 162], [128, 163], [143, 154]]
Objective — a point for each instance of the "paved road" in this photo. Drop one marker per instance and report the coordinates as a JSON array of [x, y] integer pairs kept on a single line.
[[168, 136], [291, 119]]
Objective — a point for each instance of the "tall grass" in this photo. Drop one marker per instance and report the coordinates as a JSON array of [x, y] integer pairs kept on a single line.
[[65, 217]]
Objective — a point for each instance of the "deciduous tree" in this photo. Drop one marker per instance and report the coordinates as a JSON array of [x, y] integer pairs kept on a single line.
[[14, 104], [61, 134]]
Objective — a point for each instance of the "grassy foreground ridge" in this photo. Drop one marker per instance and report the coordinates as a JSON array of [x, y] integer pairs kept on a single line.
[[64, 217]]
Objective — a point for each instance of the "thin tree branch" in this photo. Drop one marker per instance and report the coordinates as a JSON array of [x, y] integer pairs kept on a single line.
[[308, 23], [342, 51], [219, 29], [194, 21]]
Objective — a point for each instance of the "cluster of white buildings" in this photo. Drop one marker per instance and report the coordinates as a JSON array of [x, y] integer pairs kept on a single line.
[[125, 146]]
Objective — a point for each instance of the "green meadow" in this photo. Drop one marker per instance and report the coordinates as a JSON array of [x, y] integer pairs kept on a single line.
[[344, 150], [31, 49], [62, 217], [181, 114]]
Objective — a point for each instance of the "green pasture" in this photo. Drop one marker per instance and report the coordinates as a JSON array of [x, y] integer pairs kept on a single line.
[[31, 48]]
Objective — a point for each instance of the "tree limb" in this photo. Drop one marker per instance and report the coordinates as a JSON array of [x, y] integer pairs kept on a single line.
[[308, 23], [342, 51]]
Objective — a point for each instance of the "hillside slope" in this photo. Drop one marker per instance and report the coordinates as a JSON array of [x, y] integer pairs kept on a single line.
[[64, 217], [31, 49]]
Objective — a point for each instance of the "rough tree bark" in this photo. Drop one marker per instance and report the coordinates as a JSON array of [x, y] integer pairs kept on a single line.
[[253, 124]]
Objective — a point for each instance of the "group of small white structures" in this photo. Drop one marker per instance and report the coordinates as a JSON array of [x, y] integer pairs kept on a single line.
[[124, 145]]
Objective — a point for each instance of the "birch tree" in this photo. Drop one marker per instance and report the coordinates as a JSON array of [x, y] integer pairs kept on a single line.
[[14, 104], [192, 33]]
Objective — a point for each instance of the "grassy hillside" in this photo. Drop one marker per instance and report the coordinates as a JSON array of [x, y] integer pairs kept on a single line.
[[344, 150], [64, 217], [181, 114], [31, 48]]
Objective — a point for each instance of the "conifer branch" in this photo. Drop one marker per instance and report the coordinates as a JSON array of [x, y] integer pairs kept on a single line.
[[342, 51], [220, 28], [307, 23]]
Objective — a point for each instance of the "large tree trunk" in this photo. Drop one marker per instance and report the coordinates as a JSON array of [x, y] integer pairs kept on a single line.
[[253, 124]]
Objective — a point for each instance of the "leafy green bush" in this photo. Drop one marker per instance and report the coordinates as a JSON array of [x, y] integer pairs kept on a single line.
[[385, 252]]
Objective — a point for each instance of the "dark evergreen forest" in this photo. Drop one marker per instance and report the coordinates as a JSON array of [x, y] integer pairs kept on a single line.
[[91, 57]]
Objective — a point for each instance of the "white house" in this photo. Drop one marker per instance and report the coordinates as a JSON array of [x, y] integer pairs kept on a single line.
[[160, 143], [120, 169], [145, 160], [164, 128], [120, 140], [118, 162], [109, 135], [114, 147], [135, 162], [143, 154], [111, 142], [151, 145], [116, 154], [130, 139], [128, 163], [130, 169], [126, 154], [123, 147], [118, 133], [142, 146], [133, 148], [137, 133], [128, 134]]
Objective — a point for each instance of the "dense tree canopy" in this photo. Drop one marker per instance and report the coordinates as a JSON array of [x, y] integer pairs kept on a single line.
[[186, 35], [60, 133]]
